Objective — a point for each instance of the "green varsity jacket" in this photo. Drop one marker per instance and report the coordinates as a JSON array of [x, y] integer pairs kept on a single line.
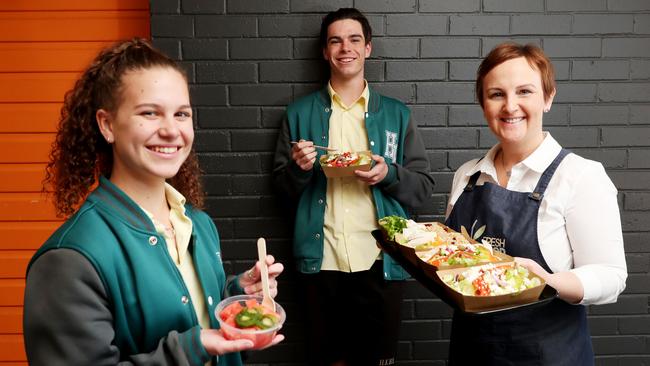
[[119, 297], [391, 134]]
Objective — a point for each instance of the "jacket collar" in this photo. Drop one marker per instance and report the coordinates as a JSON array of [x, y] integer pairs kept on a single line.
[[109, 195]]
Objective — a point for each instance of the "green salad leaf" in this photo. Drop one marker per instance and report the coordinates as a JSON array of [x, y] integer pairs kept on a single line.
[[392, 225]]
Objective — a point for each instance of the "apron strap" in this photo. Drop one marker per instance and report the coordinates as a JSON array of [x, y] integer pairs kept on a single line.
[[538, 193], [472, 181]]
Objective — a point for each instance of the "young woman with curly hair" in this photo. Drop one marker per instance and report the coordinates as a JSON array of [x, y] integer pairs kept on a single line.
[[134, 275], [80, 154]]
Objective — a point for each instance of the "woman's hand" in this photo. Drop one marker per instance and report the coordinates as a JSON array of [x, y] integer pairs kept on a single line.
[[251, 280], [217, 345], [533, 266], [567, 284]]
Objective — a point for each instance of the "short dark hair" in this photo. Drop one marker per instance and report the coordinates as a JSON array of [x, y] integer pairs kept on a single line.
[[344, 13]]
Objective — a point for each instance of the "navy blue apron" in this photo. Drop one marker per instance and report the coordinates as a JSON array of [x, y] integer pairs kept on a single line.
[[555, 333]]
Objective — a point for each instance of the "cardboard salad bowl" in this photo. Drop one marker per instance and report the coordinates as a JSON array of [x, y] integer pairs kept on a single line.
[[411, 255], [347, 171], [431, 271], [468, 303], [427, 275]]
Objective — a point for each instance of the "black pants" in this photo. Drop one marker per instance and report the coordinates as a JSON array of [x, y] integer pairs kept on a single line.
[[352, 316]]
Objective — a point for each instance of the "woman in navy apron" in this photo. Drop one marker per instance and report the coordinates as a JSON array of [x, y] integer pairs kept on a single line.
[[541, 204]]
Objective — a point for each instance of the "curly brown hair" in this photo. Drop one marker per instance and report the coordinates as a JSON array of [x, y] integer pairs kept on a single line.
[[80, 154]]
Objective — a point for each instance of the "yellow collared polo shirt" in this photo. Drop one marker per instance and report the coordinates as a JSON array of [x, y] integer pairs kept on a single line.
[[350, 213]]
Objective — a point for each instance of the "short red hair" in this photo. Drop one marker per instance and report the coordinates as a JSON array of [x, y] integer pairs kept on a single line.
[[509, 50]]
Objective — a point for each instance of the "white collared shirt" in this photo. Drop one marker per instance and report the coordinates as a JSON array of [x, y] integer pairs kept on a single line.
[[579, 224]]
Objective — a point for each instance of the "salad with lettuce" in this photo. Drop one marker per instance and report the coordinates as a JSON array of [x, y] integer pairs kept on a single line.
[[492, 280], [460, 254], [393, 225], [420, 236], [345, 159]]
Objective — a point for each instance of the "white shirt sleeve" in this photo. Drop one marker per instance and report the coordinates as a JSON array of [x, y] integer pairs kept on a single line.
[[593, 227]]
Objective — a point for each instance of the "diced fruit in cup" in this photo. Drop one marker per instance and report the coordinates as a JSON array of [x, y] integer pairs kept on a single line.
[[251, 316], [249, 319]]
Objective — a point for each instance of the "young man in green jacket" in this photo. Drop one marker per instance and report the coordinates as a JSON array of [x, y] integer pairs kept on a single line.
[[343, 270]]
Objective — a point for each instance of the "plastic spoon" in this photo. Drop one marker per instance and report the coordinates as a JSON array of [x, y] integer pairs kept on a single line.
[[267, 300]]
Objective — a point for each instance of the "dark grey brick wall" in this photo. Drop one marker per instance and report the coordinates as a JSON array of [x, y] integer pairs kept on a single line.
[[248, 58]]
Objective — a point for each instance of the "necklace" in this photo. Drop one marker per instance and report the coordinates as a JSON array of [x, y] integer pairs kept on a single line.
[[170, 229], [503, 166]]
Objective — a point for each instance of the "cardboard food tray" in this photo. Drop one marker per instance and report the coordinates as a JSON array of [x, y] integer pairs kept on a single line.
[[348, 171], [481, 303], [430, 270], [429, 279], [411, 254]]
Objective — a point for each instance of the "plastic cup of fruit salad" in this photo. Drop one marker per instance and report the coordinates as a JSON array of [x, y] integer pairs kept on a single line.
[[244, 317]]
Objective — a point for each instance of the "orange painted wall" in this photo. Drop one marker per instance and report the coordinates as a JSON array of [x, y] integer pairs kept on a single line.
[[44, 45]]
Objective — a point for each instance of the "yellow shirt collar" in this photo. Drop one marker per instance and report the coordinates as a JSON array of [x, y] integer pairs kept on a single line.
[[175, 199], [176, 203], [363, 98]]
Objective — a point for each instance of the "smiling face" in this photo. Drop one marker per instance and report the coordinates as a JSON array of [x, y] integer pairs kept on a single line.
[[346, 50], [514, 103], [151, 129]]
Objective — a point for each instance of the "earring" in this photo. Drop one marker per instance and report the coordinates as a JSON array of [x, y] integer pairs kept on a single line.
[[546, 110], [109, 140]]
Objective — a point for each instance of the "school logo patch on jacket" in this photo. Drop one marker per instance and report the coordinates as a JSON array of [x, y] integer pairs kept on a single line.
[[391, 145]]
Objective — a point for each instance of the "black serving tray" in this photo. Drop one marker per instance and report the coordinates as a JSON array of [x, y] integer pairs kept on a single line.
[[436, 287]]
